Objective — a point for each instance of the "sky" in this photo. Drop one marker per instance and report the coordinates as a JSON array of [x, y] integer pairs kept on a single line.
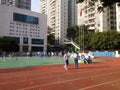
[[35, 5]]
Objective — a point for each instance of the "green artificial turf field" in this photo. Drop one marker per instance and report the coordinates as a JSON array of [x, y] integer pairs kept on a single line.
[[18, 62], [27, 61]]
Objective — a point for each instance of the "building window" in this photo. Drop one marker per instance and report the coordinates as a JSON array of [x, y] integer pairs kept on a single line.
[[25, 18], [38, 41], [25, 40], [119, 25]]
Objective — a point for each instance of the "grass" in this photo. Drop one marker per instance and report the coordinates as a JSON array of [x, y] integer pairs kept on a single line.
[[27, 61], [34, 61]]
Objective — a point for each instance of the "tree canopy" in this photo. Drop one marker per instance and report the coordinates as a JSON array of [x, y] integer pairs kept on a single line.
[[107, 40], [9, 44], [103, 3]]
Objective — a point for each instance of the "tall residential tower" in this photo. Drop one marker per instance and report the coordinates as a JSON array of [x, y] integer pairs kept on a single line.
[[99, 21], [24, 4], [61, 15]]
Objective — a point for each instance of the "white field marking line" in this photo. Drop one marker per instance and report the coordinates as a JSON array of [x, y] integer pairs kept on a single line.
[[38, 71], [17, 73], [54, 76], [2, 74], [35, 72], [51, 76], [66, 81], [99, 84], [25, 73]]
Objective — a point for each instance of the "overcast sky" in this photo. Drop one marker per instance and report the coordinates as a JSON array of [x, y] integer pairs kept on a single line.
[[35, 5]]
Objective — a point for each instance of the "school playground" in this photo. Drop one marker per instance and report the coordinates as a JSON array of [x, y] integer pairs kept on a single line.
[[25, 73]]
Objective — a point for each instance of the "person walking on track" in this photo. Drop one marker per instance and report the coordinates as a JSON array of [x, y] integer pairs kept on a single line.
[[76, 57], [66, 60]]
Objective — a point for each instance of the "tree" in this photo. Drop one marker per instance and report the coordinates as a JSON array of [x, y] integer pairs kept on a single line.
[[87, 41], [72, 32], [50, 36], [103, 3], [9, 44], [49, 30], [109, 40], [51, 39]]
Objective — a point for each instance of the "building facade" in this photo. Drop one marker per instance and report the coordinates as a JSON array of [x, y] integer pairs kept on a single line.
[[72, 13], [23, 4], [118, 16], [99, 21], [61, 15], [29, 28]]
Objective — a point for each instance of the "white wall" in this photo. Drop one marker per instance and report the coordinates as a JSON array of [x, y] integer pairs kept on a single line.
[[9, 27]]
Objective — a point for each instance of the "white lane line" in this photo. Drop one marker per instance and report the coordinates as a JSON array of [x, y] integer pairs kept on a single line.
[[28, 72], [67, 81], [3, 83], [99, 84]]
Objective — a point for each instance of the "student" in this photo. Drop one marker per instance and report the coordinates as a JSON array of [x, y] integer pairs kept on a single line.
[[66, 60], [4, 56], [30, 54], [76, 56]]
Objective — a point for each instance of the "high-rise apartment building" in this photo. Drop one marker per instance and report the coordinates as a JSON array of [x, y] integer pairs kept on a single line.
[[118, 16], [89, 16], [99, 21], [72, 13], [61, 15], [43, 6], [24, 4]]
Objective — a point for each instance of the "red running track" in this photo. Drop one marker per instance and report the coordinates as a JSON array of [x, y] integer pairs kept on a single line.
[[95, 76]]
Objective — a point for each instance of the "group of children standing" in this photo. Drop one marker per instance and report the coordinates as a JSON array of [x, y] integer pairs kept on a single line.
[[76, 58], [66, 60]]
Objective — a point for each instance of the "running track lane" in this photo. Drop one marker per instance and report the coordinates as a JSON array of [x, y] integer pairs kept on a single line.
[[98, 76]]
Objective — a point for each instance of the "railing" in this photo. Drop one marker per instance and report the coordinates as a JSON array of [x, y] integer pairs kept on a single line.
[[72, 42]]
